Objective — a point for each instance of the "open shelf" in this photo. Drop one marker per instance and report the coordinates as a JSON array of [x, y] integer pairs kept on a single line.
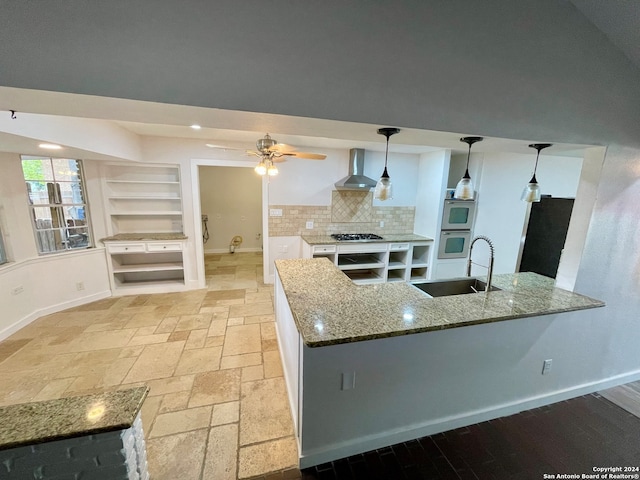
[[419, 274], [351, 261], [143, 198], [396, 275], [154, 267], [365, 275], [397, 260]]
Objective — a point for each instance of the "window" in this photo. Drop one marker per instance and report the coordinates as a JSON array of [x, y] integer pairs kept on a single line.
[[57, 201]]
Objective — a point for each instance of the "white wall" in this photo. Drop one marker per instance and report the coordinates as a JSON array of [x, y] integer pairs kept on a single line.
[[432, 176], [500, 214], [232, 198], [310, 182]]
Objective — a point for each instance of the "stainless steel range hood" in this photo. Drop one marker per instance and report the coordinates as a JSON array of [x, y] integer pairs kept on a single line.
[[356, 180]]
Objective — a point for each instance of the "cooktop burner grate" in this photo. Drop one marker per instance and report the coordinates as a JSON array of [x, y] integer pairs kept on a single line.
[[355, 237]]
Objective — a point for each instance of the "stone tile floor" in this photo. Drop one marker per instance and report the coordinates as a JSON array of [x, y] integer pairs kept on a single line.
[[217, 407]]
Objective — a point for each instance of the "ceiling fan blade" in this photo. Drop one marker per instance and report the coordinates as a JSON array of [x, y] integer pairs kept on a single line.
[[281, 147], [308, 156]]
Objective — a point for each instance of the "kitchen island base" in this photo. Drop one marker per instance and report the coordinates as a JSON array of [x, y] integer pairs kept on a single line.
[[356, 396]]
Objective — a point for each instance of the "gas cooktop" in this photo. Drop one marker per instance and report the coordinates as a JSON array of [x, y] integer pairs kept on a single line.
[[355, 237]]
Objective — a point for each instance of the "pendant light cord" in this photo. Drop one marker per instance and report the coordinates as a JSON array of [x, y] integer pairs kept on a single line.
[[387, 132], [538, 147]]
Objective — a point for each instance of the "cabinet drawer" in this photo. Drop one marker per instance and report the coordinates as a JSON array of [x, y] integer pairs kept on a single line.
[[398, 247], [164, 247], [324, 249], [126, 248]]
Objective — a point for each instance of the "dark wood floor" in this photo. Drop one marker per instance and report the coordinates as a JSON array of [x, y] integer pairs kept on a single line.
[[570, 437]]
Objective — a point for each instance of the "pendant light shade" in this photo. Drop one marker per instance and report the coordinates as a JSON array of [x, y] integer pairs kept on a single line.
[[531, 192], [464, 189], [383, 189]]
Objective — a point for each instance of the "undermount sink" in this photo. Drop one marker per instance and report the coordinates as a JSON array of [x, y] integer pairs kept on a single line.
[[455, 286]]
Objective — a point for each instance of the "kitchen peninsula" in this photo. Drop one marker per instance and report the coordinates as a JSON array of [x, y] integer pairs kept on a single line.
[[372, 365]]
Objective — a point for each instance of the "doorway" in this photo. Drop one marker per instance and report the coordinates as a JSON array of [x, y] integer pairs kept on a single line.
[[226, 202], [231, 209]]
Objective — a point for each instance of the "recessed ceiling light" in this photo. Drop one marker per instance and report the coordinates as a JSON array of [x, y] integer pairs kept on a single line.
[[195, 126], [50, 146]]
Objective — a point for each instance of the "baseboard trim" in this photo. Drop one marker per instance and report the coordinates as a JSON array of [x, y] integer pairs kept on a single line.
[[24, 321], [391, 437]]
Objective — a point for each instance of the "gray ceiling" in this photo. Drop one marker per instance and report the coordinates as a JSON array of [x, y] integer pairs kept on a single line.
[[619, 20]]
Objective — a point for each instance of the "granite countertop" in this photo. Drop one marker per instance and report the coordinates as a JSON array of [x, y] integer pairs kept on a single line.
[[137, 237], [39, 422], [330, 309], [398, 237]]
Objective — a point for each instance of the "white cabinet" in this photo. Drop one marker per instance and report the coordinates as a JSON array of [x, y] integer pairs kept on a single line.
[[145, 266], [378, 262], [144, 211], [142, 198]]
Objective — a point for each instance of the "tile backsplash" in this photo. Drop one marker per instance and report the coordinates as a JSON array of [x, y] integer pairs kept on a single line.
[[351, 213], [349, 206]]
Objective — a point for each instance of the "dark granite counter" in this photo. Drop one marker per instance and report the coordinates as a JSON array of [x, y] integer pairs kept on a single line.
[[328, 308], [39, 422]]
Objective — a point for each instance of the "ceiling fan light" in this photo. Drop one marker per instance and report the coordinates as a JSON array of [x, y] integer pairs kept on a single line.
[[272, 170], [261, 168]]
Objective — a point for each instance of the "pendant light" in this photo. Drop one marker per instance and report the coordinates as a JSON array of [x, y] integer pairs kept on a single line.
[[383, 187], [464, 189], [531, 192]]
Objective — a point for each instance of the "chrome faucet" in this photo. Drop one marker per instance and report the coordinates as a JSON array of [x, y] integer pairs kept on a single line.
[[491, 256]]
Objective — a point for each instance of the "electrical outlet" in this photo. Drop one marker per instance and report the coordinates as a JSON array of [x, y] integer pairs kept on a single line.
[[258, 236], [17, 290], [80, 286], [310, 225], [381, 223], [205, 217], [546, 366], [275, 212], [348, 380]]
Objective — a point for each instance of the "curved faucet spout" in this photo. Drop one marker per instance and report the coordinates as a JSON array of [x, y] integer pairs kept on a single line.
[[491, 257]]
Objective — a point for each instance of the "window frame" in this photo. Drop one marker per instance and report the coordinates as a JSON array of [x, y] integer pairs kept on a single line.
[[4, 259], [60, 235]]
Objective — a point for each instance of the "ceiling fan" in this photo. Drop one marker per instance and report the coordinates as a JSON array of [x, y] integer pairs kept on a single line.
[[270, 151]]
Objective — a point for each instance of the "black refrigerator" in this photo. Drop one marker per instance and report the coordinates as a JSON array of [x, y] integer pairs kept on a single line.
[[546, 233]]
